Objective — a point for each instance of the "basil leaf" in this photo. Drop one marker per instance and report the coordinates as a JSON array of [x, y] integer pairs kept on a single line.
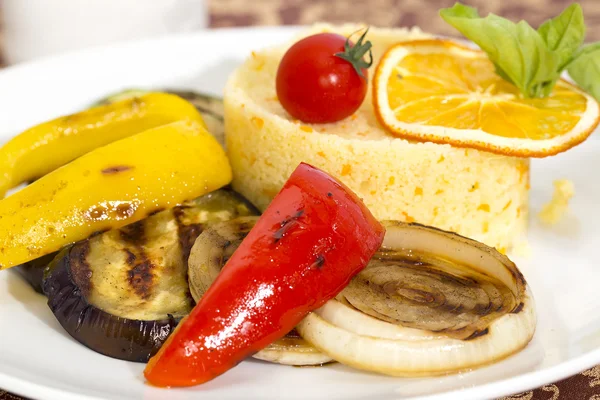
[[517, 50], [585, 69], [565, 33]]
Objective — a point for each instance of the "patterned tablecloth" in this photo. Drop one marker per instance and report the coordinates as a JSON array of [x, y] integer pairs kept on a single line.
[[585, 386]]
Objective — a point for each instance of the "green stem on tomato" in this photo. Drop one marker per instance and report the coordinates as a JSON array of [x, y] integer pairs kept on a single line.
[[354, 54]]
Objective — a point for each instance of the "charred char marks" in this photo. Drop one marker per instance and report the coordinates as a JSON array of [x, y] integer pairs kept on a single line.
[[187, 237], [286, 225], [518, 308], [280, 233], [459, 309], [131, 257], [518, 276], [121, 338], [133, 233], [151, 213], [80, 268], [294, 334], [483, 309], [464, 281], [319, 262], [116, 169], [477, 334], [140, 275], [124, 210], [100, 232], [244, 228], [187, 233], [178, 213]]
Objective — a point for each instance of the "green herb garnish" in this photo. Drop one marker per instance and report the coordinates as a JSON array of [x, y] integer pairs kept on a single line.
[[533, 60], [585, 69]]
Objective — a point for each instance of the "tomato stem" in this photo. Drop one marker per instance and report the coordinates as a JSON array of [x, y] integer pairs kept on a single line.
[[354, 54]]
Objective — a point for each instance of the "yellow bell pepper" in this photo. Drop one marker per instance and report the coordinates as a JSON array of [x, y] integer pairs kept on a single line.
[[45, 147], [110, 187]]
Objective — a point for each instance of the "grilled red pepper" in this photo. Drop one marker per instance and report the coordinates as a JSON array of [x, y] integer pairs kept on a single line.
[[312, 239]]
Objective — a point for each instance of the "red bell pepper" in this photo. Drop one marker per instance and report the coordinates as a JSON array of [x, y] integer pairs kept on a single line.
[[312, 239]]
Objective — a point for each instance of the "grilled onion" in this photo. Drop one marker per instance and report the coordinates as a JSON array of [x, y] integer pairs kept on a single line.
[[209, 254], [430, 302]]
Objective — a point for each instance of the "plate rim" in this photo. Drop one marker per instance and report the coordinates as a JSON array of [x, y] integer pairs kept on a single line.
[[520, 383], [57, 58]]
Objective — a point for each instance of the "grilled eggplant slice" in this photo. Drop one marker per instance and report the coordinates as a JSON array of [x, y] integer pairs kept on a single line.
[[210, 107], [33, 271], [121, 293]]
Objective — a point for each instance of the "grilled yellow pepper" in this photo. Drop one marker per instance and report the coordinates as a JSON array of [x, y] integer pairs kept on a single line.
[[47, 146], [110, 187]]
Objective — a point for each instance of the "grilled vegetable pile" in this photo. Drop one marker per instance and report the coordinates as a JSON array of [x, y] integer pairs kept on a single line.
[[122, 292], [50, 145], [213, 248], [430, 302], [145, 255], [311, 240], [111, 187], [118, 286]]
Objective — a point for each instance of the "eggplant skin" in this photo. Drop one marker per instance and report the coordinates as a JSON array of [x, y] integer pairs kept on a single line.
[[117, 337], [33, 271]]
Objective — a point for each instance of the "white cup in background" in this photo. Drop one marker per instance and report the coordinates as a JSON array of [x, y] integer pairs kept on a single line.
[[37, 28]]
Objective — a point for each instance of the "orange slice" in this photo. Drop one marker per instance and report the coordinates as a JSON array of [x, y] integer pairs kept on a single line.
[[439, 91]]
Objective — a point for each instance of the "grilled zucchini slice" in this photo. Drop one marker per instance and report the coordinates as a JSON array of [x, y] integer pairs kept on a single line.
[[122, 292], [210, 107]]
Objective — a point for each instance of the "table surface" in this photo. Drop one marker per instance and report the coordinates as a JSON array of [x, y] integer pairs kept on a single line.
[[223, 13]]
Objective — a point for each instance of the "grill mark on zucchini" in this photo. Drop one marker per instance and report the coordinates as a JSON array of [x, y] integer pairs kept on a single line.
[[81, 270], [151, 213], [187, 233], [116, 169], [100, 232], [139, 276], [133, 233]]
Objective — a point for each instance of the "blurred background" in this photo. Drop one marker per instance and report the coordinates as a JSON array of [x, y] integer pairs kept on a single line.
[[423, 13], [34, 28]]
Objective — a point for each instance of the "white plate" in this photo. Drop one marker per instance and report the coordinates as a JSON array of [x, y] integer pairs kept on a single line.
[[38, 359]]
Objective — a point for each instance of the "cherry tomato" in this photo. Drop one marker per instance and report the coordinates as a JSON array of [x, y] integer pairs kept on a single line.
[[323, 78]]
